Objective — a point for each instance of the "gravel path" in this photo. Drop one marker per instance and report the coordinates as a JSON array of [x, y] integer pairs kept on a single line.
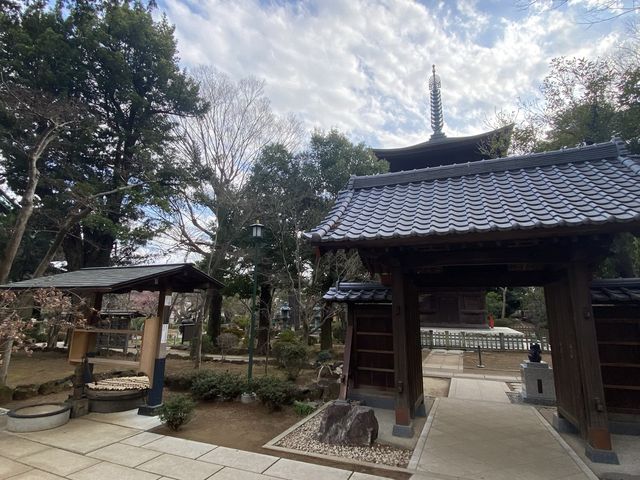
[[302, 438]]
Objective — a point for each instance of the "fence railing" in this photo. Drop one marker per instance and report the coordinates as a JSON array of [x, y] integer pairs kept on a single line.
[[469, 341]]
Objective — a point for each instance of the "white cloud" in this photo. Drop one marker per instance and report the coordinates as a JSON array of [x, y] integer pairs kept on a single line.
[[362, 66]]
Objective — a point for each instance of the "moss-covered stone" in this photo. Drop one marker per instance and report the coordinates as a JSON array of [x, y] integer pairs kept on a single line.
[[22, 392]]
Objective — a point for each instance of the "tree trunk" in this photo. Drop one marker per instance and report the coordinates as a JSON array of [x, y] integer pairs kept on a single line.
[[6, 359], [215, 315], [64, 229], [264, 317], [72, 247], [26, 209], [326, 331], [504, 302]]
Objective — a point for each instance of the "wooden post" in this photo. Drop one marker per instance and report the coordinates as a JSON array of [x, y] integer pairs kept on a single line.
[[596, 429], [346, 365], [159, 331], [403, 426]]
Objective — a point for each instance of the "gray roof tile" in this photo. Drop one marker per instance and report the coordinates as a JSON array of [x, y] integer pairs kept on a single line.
[[594, 184], [358, 292]]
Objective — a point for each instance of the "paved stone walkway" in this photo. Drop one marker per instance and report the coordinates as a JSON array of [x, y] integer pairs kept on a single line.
[[449, 360], [471, 439], [475, 389], [117, 447]]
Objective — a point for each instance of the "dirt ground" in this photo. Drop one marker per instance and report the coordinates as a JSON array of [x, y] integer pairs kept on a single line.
[[436, 387], [41, 367], [498, 363], [248, 427]]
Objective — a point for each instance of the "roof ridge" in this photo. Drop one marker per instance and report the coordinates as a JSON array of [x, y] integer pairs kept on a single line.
[[137, 266], [567, 155]]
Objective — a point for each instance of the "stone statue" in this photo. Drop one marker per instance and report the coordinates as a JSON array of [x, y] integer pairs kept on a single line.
[[534, 353]]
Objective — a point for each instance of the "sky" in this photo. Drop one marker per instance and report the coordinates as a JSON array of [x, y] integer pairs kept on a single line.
[[363, 66]]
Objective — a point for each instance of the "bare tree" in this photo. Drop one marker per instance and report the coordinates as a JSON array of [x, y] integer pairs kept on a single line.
[[39, 120], [219, 149]]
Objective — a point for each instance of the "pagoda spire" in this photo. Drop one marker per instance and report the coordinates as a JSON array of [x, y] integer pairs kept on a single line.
[[437, 120]]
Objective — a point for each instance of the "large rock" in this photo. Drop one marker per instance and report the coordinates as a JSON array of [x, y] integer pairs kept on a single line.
[[344, 424], [23, 392]]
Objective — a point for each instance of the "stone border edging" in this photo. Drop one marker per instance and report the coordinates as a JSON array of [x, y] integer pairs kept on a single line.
[[422, 439], [271, 445]]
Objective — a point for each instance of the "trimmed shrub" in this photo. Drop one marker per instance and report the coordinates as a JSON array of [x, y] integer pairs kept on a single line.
[[180, 381], [324, 356], [303, 409], [205, 386], [273, 392], [211, 386], [176, 411], [294, 357], [287, 336], [230, 385]]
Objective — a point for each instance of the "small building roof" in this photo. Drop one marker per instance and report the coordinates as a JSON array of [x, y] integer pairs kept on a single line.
[[574, 188], [446, 150], [616, 291], [355, 292], [180, 277]]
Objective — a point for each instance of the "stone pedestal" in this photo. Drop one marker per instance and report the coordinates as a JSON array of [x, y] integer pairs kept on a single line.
[[537, 383]]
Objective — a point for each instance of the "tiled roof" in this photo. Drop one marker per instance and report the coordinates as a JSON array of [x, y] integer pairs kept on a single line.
[[115, 278], [617, 290], [358, 292], [607, 291], [588, 185]]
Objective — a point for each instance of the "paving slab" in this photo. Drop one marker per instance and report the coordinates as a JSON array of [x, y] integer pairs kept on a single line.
[[9, 468], [36, 474], [129, 418], [111, 471], [141, 439], [471, 389], [180, 446], [58, 461], [12, 446], [81, 436], [228, 473], [230, 457], [493, 440], [180, 468], [365, 476], [444, 360], [125, 455], [294, 470]]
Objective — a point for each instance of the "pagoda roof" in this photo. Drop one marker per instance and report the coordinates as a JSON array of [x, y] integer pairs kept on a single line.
[[586, 189], [442, 151]]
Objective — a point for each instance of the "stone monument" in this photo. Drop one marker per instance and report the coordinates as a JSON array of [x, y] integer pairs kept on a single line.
[[537, 379]]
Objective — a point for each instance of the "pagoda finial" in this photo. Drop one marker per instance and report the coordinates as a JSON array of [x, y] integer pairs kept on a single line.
[[437, 121]]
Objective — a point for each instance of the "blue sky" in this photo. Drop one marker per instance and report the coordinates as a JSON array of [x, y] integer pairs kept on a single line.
[[362, 66]]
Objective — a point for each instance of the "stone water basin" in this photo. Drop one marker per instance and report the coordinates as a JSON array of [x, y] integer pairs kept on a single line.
[[38, 417]]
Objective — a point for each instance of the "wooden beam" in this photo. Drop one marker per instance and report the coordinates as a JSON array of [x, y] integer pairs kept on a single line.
[[483, 277], [596, 429], [346, 367], [399, 313]]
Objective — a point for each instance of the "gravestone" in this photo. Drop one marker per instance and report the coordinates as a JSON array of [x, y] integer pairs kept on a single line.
[[345, 424]]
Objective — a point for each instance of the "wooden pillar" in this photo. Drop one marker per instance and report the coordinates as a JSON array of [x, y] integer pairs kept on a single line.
[[404, 409], [346, 379], [596, 427], [155, 341]]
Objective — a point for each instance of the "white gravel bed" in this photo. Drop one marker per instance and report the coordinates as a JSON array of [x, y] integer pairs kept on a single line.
[[302, 438]]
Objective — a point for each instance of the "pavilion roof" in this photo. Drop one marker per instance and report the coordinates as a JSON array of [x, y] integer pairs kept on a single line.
[[583, 188], [180, 277]]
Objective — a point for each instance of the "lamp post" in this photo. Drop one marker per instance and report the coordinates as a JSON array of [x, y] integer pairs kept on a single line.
[[256, 234]]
